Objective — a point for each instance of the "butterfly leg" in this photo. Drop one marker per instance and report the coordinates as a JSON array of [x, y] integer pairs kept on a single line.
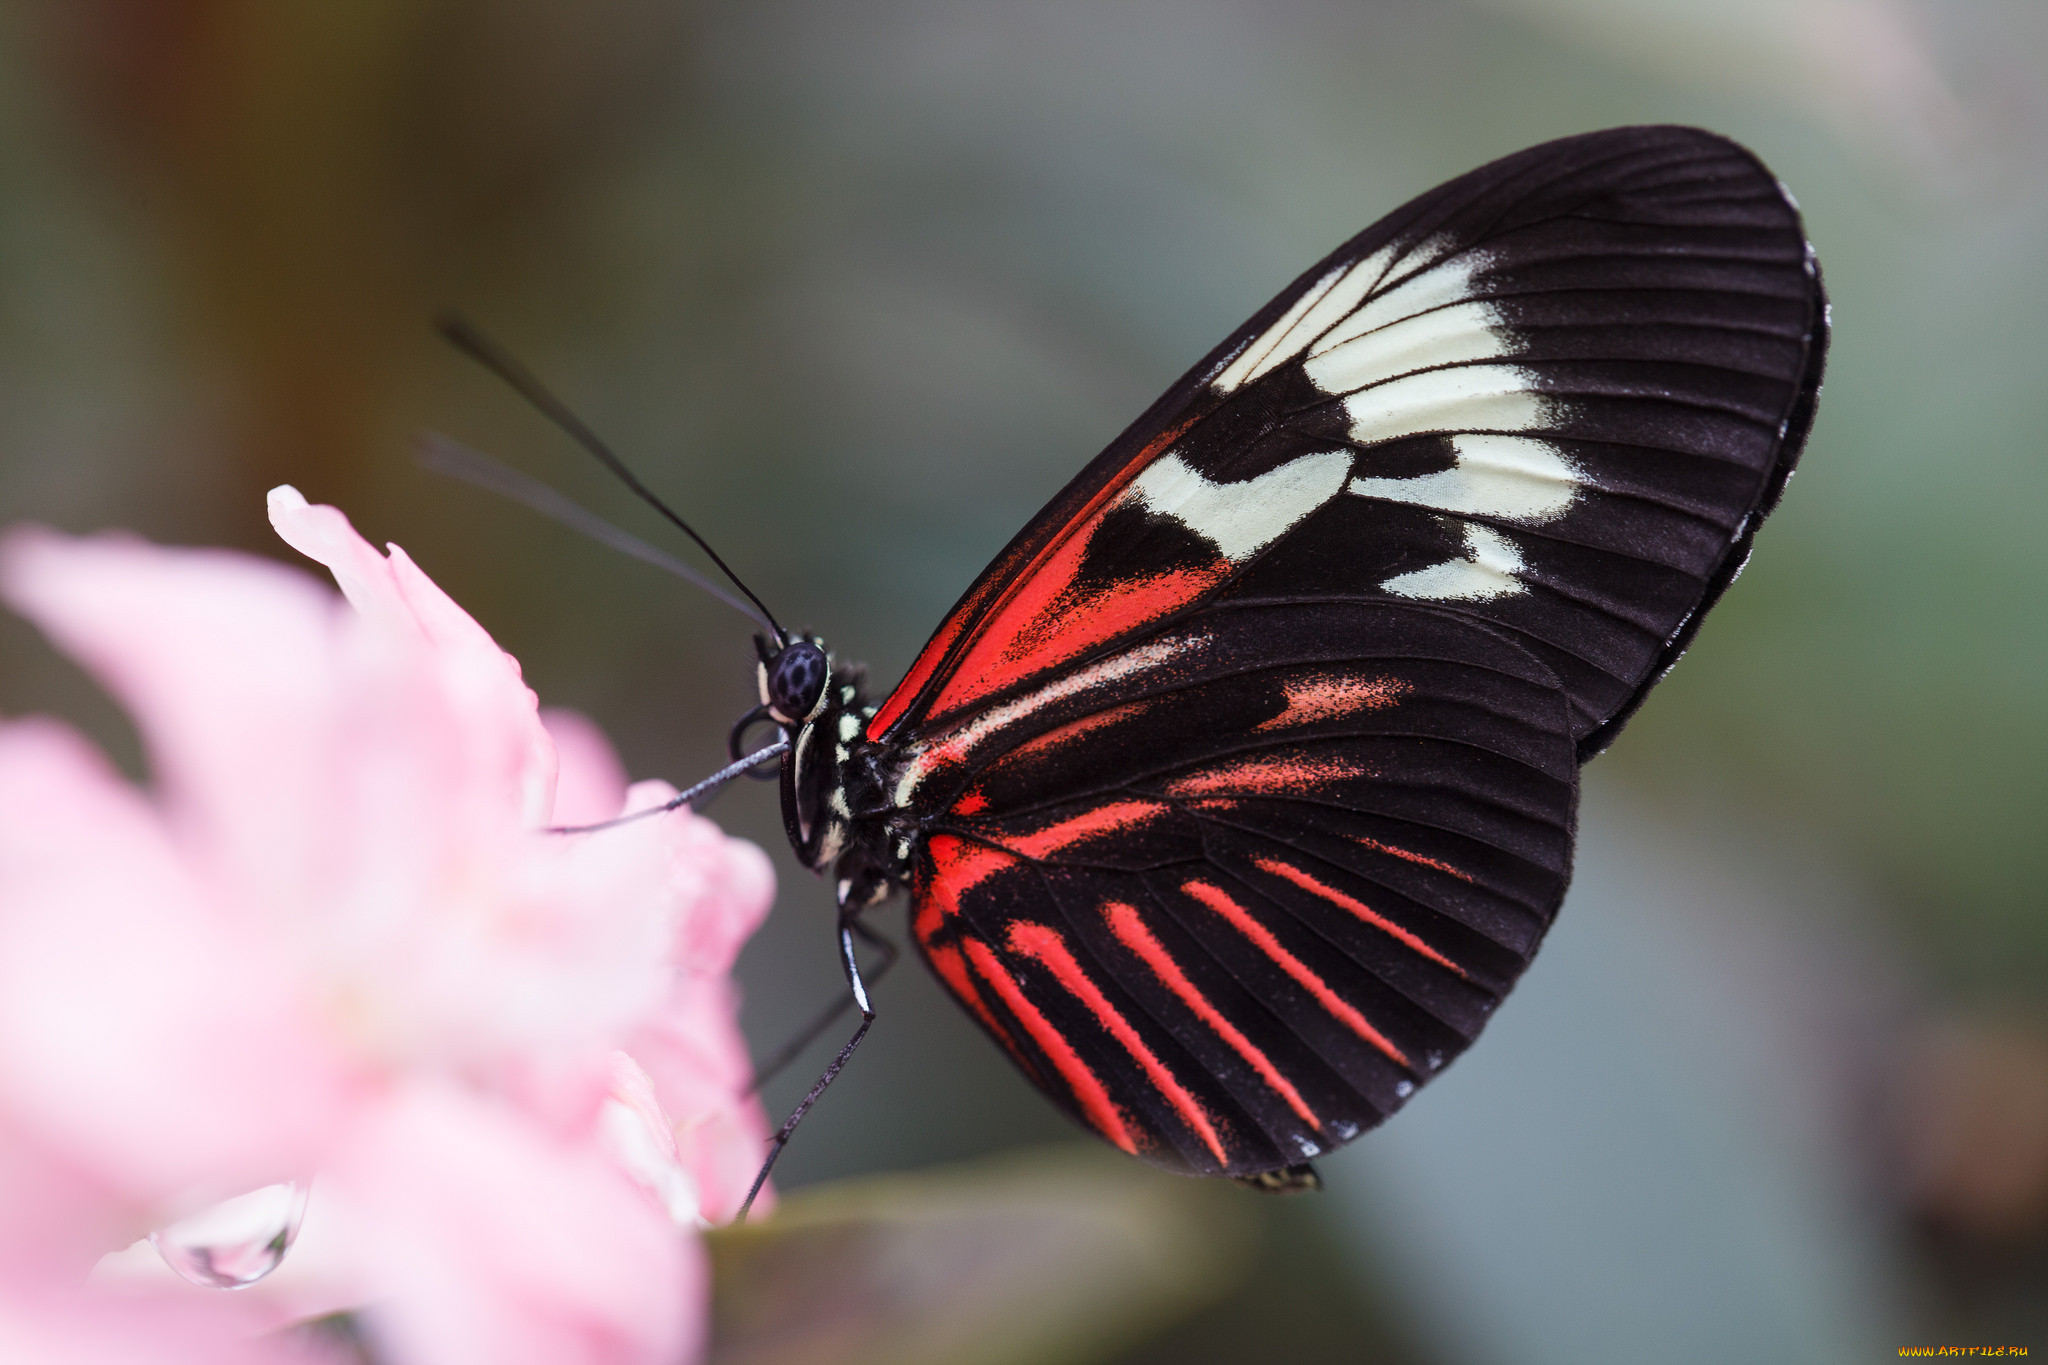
[[885, 950], [848, 928]]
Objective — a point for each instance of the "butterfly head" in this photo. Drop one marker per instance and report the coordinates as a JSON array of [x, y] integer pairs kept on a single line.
[[793, 678]]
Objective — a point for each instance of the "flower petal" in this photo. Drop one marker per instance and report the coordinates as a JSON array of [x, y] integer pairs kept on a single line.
[[160, 1051], [694, 1050], [85, 1328], [222, 659], [396, 595], [591, 785], [498, 1247], [638, 1137]]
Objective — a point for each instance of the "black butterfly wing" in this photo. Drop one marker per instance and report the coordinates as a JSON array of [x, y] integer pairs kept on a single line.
[[1557, 393], [1227, 898], [1230, 896]]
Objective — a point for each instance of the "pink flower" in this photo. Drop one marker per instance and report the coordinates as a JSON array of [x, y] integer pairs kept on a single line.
[[74, 1328], [334, 941]]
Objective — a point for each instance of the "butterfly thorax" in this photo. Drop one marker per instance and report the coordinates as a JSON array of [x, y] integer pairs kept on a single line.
[[835, 783]]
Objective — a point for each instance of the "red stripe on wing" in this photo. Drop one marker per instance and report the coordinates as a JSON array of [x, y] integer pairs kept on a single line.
[[1114, 817], [1327, 696], [1278, 776], [1130, 929], [1262, 938], [957, 865], [1357, 907], [1439, 864], [1012, 586], [952, 969], [1051, 619], [920, 670], [1075, 729], [1085, 1085], [1043, 944], [1226, 806]]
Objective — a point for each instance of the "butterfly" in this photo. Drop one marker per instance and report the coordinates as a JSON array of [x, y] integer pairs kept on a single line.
[[1239, 790]]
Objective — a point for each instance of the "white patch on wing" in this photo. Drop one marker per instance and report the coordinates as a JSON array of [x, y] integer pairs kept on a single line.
[[1462, 398], [1407, 361], [1241, 519], [1488, 570], [1495, 476], [1422, 357], [1439, 286], [1456, 335], [1322, 304]]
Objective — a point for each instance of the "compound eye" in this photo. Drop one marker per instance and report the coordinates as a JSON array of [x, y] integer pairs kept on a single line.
[[796, 678]]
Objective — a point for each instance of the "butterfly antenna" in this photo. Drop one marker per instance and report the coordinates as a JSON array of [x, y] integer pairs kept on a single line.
[[704, 788], [454, 460], [464, 337]]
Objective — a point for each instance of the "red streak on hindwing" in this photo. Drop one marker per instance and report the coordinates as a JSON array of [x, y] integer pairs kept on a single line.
[[1357, 907], [958, 865], [1044, 945], [952, 969], [1130, 929], [1327, 696], [1420, 860], [1062, 735], [1282, 775], [1262, 938], [1114, 817], [1086, 1086]]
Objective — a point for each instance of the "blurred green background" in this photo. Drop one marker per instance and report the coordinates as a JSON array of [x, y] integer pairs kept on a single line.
[[859, 284]]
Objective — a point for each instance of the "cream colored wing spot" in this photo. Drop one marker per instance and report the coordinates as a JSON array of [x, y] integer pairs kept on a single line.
[[1438, 288], [1456, 335], [1421, 356], [1349, 342], [1325, 303], [1513, 477], [1241, 519], [1425, 358], [1462, 398], [1488, 570]]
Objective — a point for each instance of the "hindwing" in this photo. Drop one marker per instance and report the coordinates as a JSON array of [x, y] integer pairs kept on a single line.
[[1231, 895]]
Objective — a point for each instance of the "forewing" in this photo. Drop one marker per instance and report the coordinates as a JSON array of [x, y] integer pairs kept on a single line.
[[1230, 896], [1555, 395]]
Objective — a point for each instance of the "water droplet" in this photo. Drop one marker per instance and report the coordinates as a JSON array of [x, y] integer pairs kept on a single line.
[[236, 1242]]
